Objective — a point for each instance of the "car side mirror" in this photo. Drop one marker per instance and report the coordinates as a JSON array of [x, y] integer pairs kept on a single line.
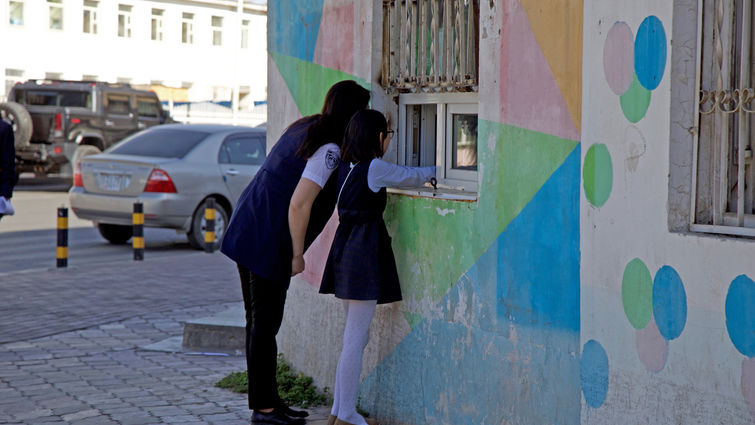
[[164, 117]]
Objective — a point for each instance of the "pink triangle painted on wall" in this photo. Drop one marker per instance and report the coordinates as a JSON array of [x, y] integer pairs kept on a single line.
[[530, 96]]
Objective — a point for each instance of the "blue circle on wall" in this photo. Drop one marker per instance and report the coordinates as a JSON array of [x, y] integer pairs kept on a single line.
[[650, 52], [740, 314], [669, 302], [593, 372]]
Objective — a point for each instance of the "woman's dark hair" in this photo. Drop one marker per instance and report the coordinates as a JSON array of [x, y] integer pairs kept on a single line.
[[362, 139], [342, 100]]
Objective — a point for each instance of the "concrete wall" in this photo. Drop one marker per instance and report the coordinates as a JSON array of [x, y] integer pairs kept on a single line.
[[656, 301], [560, 295]]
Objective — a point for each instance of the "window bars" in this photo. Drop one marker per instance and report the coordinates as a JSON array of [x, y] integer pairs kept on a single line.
[[725, 179], [430, 45]]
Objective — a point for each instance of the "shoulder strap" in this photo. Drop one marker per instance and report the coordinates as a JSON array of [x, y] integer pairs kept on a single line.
[[344, 183]]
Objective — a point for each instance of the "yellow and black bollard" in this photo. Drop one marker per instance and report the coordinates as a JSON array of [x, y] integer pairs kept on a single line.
[[209, 227], [137, 240], [62, 250]]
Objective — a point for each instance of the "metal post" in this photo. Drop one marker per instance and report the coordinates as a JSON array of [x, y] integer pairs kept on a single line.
[[62, 248], [209, 228], [137, 241]]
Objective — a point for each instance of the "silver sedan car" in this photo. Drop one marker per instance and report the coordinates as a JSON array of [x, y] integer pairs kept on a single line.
[[172, 170]]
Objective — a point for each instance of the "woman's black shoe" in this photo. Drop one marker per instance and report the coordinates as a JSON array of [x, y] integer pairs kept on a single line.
[[276, 417], [291, 412]]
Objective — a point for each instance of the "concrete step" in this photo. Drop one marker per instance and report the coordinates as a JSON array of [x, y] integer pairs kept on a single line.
[[222, 332]]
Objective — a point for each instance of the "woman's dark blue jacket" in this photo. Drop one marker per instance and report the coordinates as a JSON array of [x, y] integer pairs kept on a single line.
[[258, 236]]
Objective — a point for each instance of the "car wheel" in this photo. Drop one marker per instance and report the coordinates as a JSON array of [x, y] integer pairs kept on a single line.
[[199, 224], [82, 151], [18, 117], [115, 233]]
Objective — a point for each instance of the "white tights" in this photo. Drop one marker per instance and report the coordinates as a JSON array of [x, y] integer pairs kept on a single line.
[[355, 335]]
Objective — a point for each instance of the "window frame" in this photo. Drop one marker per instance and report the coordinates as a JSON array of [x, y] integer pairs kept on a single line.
[[55, 4], [711, 175], [156, 24], [217, 30], [90, 7], [22, 5], [125, 11], [187, 28], [446, 104]]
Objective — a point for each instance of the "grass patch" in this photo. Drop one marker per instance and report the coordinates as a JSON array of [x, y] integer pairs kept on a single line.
[[295, 389]]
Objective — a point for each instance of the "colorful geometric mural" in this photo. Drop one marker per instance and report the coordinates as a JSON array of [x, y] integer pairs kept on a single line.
[[491, 288]]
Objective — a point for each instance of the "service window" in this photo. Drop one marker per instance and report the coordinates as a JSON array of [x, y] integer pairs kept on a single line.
[[147, 107], [440, 130], [117, 104], [245, 150]]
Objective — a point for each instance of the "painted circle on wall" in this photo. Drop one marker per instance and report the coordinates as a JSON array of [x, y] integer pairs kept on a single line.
[[652, 347], [650, 52], [597, 174], [669, 302], [637, 293], [618, 57], [593, 373], [635, 101], [748, 384], [740, 314]]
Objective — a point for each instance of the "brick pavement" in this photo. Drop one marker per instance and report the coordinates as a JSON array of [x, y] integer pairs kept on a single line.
[[73, 345]]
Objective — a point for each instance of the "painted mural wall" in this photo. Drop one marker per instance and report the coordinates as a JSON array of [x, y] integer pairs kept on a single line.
[[667, 319], [559, 296]]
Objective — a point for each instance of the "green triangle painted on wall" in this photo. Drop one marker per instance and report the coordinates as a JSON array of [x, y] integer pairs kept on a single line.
[[309, 82], [514, 165]]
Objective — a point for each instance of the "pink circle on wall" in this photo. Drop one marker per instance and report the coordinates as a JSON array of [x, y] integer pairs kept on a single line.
[[748, 384], [652, 347], [618, 57]]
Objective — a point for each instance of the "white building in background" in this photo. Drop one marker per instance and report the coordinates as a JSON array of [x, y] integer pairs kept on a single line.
[[185, 50]]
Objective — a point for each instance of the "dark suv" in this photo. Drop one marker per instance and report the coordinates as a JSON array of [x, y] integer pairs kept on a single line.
[[58, 122]]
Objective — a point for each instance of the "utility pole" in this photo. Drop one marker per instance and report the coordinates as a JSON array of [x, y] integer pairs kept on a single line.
[[237, 52]]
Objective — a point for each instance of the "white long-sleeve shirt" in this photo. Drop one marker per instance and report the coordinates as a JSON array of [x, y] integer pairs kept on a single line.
[[384, 174]]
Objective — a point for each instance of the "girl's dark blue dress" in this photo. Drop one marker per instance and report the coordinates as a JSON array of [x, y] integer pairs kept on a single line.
[[361, 265]]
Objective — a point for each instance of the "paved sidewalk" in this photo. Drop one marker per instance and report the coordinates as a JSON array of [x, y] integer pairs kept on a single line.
[[100, 373]]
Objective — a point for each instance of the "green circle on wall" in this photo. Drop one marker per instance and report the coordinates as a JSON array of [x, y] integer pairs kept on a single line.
[[637, 293], [598, 174], [635, 101]]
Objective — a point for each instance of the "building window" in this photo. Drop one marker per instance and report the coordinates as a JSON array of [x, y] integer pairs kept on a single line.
[[124, 21], [187, 28], [724, 176], [430, 45], [89, 77], [90, 17], [55, 11], [16, 12], [157, 25], [440, 130], [245, 34], [53, 75], [217, 31]]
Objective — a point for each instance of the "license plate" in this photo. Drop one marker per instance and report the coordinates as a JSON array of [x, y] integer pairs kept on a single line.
[[112, 182]]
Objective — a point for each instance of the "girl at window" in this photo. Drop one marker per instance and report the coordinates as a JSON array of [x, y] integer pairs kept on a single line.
[[361, 269]]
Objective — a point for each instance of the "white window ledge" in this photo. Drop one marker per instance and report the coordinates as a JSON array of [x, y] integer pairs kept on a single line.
[[440, 193]]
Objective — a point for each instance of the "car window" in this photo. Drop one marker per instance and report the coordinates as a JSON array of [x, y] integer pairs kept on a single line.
[[247, 150], [77, 99], [160, 142], [117, 104], [147, 107]]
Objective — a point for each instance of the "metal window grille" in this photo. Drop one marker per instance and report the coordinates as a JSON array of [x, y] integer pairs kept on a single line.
[[724, 180], [430, 45]]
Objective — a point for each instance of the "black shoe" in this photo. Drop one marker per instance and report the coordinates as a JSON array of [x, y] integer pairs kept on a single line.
[[276, 417], [291, 412]]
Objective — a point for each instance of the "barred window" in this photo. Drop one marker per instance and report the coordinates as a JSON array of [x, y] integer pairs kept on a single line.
[[430, 45], [724, 176]]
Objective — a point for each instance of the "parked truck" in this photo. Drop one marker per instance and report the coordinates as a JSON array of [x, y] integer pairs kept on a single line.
[[56, 122]]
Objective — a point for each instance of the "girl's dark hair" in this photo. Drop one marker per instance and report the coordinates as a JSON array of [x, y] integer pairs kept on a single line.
[[362, 139], [342, 100]]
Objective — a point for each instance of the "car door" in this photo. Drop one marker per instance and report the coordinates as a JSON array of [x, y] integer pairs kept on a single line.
[[240, 157], [147, 111], [119, 118]]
